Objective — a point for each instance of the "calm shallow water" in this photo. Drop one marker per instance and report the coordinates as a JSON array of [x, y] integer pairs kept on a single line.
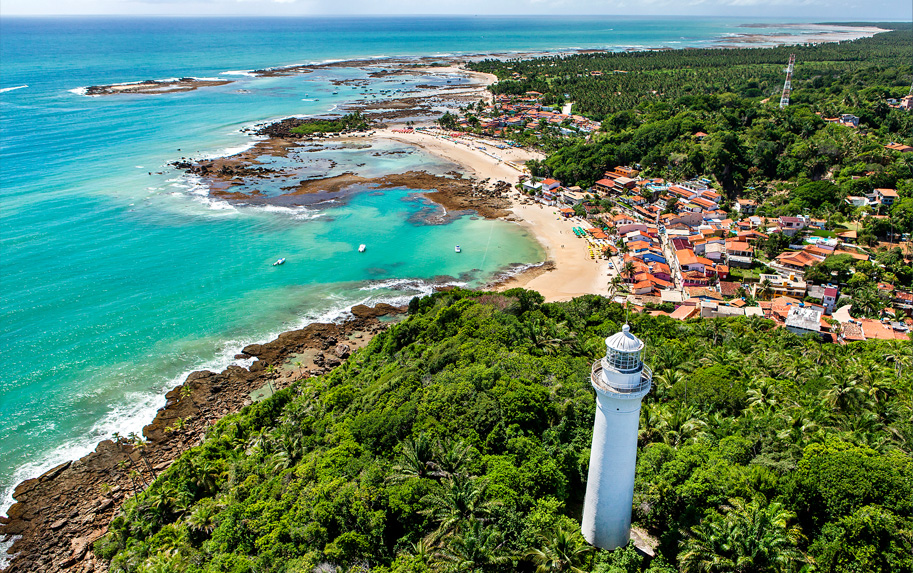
[[117, 282]]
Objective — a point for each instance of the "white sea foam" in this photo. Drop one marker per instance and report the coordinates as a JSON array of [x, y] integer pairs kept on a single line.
[[248, 73], [79, 91], [6, 558], [299, 213], [193, 187], [137, 409], [229, 151], [4, 90]]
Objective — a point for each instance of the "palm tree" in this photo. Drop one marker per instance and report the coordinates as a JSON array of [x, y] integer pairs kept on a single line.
[[451, 458], [458, 499], [680, 425], [560, 551], [628, 269], [670, 357], [415, 461], [666, 381], [140, 446], [764, 392], [124, 466], [614, 285], [203, 517], [748, 538], [765, 289], [477, 549], [845, 391]]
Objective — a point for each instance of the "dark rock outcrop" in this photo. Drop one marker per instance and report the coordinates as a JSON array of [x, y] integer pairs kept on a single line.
[[60, 514]]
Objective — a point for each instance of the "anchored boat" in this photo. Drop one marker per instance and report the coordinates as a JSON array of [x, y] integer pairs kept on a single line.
[[361, 248], [279, 262], [458, 249]]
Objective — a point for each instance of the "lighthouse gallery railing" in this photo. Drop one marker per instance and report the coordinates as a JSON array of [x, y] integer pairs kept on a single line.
[[643, 384]]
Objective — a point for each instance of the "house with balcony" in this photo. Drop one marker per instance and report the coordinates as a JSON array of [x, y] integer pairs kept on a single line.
[[779, 286], [746, 206], [886, 197]]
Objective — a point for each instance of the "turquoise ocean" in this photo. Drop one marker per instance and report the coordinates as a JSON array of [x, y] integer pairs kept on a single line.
[[116, 282]]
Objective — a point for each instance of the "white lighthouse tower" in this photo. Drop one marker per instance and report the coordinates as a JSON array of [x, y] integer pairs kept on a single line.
[[621, 380]]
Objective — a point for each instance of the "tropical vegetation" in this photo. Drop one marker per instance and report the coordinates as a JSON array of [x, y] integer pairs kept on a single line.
[[459, 440]]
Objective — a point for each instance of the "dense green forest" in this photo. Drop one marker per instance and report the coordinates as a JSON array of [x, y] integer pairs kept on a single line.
[[458, 440], [652, 104], [354, 120]]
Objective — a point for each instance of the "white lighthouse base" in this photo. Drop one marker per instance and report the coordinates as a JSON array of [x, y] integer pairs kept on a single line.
[[610, 484]]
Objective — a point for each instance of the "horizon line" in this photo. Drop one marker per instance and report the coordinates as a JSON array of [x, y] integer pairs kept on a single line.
[[785, 19]]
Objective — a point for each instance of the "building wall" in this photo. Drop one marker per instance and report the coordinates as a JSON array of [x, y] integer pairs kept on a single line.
[[610, 483]]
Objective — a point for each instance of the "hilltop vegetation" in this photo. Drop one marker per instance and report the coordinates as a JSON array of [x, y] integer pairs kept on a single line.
[[458, 440], [651, 105]]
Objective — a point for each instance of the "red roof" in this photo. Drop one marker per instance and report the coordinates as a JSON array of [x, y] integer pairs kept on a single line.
[[686, 257]]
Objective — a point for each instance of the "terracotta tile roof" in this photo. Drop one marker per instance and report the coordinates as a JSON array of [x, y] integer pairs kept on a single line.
[[697, 292], [738, 246], [851, 332], [684, 312], [686, 257], [875, 329], [798, 259], [728, 288]]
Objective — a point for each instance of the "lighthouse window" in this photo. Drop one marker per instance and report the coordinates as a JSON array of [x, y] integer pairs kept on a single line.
[[624, 360]]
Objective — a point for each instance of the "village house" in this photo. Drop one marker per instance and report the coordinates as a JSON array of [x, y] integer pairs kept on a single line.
[[791, 225], [780, 286], [886, 197], [804, 319], [797, 260], [746, 206]]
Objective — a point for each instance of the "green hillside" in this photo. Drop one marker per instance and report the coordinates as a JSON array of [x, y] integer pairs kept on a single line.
[[459, 440]]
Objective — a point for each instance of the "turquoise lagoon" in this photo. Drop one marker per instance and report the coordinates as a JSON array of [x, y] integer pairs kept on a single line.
[[119, 275]]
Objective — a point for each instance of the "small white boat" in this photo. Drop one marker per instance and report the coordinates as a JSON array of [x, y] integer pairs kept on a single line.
[[279, 262], [361, 248], [457, 249]]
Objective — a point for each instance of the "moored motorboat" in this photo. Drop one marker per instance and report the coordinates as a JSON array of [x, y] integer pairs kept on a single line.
[[279, 262], [361, 248], [458, 249]]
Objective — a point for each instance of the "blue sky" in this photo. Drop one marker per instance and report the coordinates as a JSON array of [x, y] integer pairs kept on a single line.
[[818, 10]]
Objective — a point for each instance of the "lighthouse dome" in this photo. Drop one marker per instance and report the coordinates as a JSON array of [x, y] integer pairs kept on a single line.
[[624, 341]]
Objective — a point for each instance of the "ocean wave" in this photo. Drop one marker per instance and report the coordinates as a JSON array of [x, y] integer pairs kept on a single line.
[[4, 90], [192, 186], [79, 91], [512, 271], [248, 73], [298, 213], [6, 558], [138, 409], [229, 151]]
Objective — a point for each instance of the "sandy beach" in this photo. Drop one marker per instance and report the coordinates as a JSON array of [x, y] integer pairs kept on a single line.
[[573, 273], [811, 34]]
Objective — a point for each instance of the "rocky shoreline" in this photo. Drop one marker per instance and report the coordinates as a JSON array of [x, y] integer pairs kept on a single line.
[[58, 515], [151, 87]]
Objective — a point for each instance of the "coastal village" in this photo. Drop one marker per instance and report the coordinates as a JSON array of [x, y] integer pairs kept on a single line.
[[672, 249]]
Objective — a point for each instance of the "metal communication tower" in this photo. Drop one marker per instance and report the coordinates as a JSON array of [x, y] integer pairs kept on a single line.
[[787, 87]]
